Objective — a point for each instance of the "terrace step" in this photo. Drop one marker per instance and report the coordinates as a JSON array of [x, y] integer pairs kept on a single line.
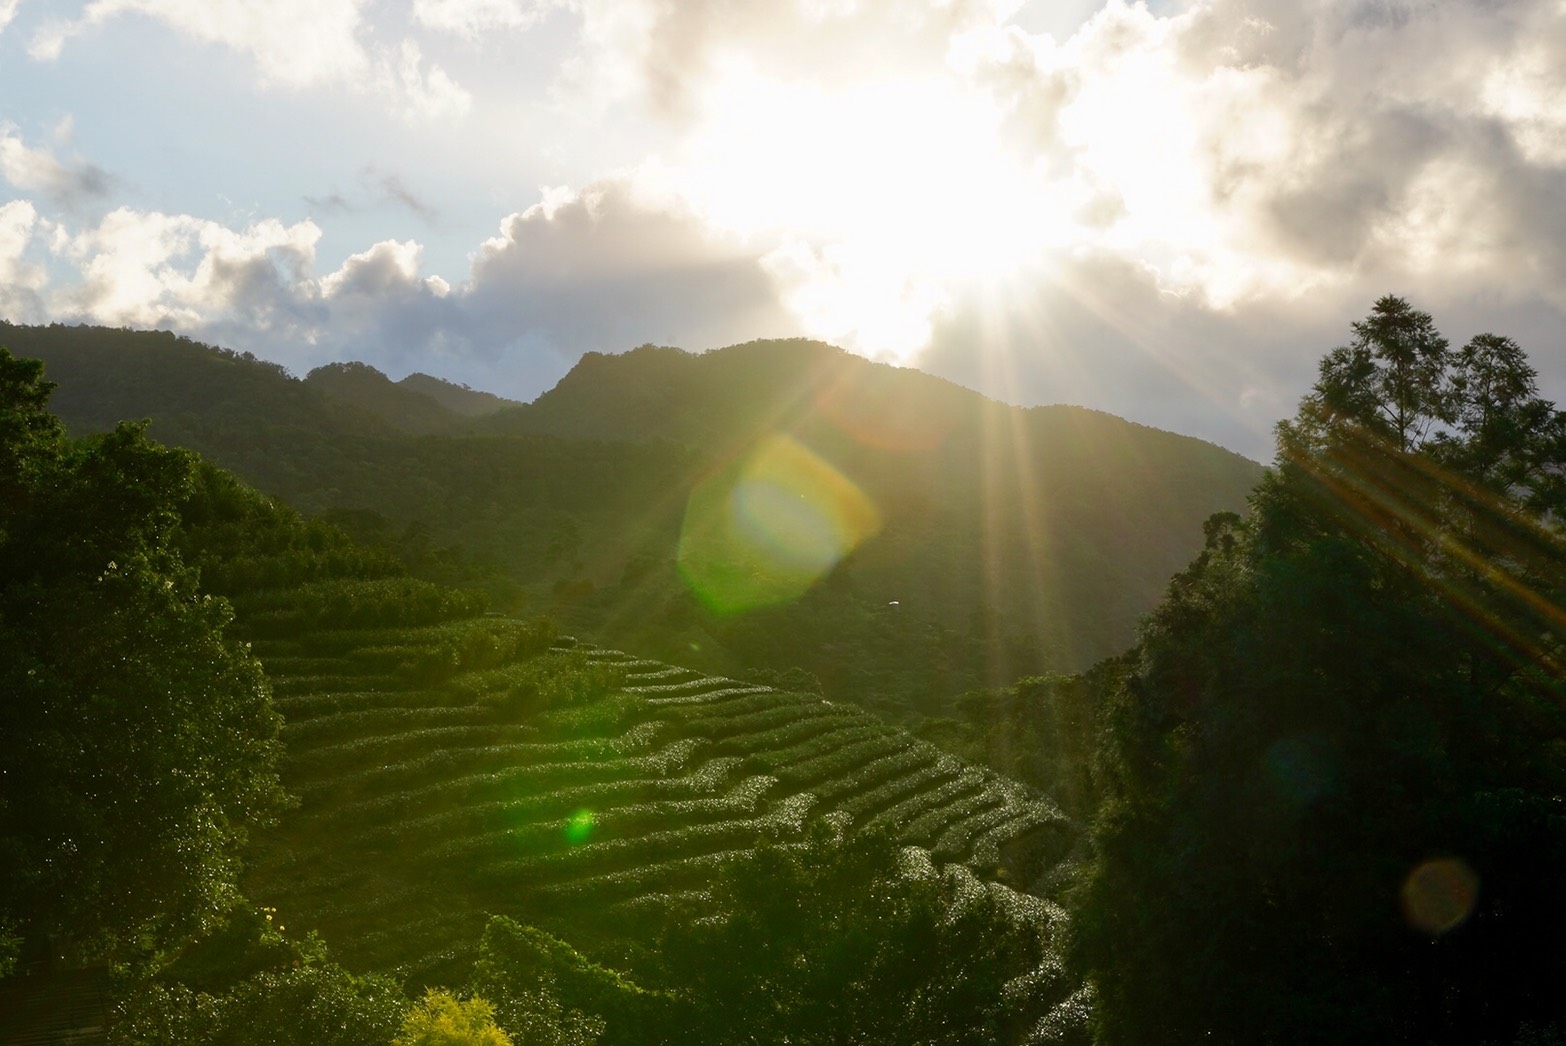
[[410, 794]]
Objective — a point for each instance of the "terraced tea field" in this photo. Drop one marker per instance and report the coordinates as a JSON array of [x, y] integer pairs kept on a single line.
[[426, 807]]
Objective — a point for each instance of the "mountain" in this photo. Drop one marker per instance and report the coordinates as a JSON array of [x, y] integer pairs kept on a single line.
[[1043, 533], [457, 398], [583, 838], [417, 404], [928, 540]]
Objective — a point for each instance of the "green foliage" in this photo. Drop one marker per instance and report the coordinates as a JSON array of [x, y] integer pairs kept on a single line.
[[244, 542], [140, 740], [545, 991], [353, 603], [831, 943], [10, 951], [1040, 729], [310, 1003], [1352, 695], [583, 492], [479, 646], [554, 681], [30, 436], [246, 982], [442, 1019]]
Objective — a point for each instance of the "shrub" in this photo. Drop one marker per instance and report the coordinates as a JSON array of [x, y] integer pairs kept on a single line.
[[442, 1019], [563, 680]]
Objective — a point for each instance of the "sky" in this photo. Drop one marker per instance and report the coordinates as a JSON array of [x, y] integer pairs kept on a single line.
[[1169, 211]]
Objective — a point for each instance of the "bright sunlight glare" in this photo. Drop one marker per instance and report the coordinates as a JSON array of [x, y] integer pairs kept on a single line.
[[892, 194]]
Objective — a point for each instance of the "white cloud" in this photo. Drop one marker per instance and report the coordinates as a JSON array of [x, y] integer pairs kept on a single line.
[[849, 295], [149, 269], [427, 94], [672, 56], [293, 44], [20, 282], [8, 12], [608, 268], [38, 169], [388, 269], [473, 18], [1258, 149]]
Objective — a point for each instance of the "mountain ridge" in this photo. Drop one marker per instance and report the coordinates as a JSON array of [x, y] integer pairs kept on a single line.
[[1011, 541]]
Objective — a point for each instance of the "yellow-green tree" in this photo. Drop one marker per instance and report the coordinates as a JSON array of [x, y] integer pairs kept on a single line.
[[442, 1019]]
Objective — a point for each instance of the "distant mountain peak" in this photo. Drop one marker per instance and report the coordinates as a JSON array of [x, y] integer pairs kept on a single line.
[[461, 399]]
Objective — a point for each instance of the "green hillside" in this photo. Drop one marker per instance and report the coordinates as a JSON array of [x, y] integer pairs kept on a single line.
[[995, 542], [427, 793], [283, 780], [616, 812], [451, 767]]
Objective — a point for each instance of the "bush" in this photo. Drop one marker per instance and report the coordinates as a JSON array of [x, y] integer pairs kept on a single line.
[[545, 988], [478, 646], [315, 1003], [563, 680], [352, 603], [442, 1019]]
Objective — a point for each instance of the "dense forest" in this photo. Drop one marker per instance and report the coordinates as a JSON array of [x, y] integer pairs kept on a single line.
[[336, 780], [1334, 768]]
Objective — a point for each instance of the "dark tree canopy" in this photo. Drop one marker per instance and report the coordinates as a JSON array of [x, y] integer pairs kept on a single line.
[[140, 742], [1336, 772]]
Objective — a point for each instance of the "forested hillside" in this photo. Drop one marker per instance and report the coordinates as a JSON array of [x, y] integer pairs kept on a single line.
[[990, 542], [1334, 769], [288, 784], [562, 843]]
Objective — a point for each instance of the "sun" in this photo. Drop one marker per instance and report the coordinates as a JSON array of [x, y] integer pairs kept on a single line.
[[884, 200]]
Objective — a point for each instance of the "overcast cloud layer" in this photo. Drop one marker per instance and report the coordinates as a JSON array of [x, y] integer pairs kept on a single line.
[[1168, 212]]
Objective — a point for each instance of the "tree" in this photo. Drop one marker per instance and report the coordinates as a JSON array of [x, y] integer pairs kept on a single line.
[[1513, 440], [1336, 774], [839, 941], [1391, 379], [307, 1002], [140, 742], [442, 1019]]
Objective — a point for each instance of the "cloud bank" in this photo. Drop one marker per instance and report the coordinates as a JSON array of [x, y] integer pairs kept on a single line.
[[601, 269]]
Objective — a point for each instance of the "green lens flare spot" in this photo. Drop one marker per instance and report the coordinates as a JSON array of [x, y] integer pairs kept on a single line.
[[579, 827], [764, 530]]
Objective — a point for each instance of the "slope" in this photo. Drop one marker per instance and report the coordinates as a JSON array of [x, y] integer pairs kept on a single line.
[[429, 802], [451, 767], [1005, 542]]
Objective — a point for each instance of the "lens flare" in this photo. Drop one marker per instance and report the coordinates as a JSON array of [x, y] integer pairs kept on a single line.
[[763, 531], [1439, 895], [579, 827]]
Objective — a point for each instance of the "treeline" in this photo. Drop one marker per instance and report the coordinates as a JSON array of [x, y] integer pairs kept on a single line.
[[141, 741], [1331, 776], [837, 940], [140, 738]]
